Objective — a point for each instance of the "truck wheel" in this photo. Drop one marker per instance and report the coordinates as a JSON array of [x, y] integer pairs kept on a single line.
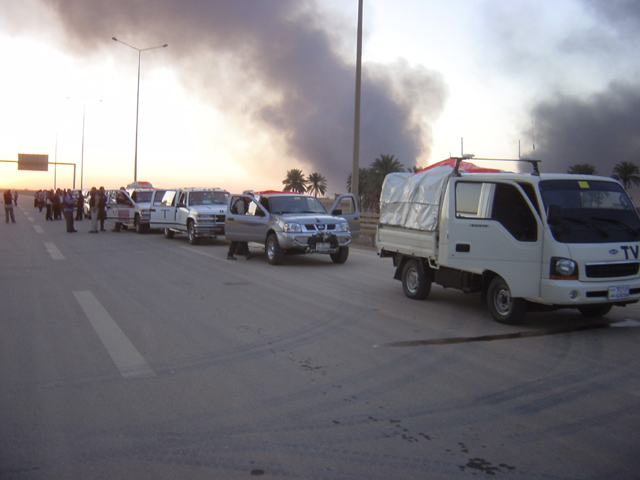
[[137, 224], [595, 311], [341, 255], [503, 307], [191, 234], [168, 233], [415, 283], [273, 250]]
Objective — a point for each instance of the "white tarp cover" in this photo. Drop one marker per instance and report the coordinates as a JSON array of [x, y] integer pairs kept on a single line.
[[412, 200]]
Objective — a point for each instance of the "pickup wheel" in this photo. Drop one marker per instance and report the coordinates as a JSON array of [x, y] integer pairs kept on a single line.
[[137, 224], [595, 311], [341, 255], [191, 233], [415, 282], [275, 254], [168, 233], [503, 307]]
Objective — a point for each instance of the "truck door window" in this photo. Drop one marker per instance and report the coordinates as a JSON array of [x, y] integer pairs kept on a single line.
[[513, 212], [468, 199], [167, 198], [254, 209], [346, 205]]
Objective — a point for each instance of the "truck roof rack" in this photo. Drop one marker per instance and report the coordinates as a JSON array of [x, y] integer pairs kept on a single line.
[[534, 163]]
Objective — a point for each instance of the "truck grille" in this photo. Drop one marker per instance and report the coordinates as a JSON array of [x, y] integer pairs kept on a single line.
[[319, 227], [611, 270]]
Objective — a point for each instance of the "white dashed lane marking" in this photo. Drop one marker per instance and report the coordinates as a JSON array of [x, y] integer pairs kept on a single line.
[[123, 353], [53, 251]]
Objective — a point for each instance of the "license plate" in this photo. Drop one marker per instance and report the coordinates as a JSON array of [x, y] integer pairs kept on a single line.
[[323, 247], [618, 292]]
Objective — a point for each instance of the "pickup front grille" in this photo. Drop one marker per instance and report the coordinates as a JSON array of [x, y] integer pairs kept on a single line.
[[611, 270], [320, 227]]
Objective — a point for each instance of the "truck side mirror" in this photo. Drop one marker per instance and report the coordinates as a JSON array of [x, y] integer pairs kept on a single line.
[[336, 212], [554, 215]]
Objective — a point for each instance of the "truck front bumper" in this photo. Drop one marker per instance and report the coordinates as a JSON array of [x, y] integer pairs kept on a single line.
[[210, 231], [314, 243], [577, 293]]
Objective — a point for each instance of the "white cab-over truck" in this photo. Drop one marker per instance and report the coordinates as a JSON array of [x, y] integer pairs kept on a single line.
[[198, 212], [524, 241]]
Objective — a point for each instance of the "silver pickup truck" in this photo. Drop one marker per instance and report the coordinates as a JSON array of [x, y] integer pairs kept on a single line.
[[292, 223]]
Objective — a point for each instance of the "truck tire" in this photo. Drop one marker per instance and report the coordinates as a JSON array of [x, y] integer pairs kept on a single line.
[[191, 233], [595, 311], [341, 255], [137, 224], [274, 252], [503, 307], [169, 233], [415, 282]]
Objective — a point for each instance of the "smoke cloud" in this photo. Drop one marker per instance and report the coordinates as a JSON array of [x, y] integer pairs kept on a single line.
[[599, 128], [278, 64]]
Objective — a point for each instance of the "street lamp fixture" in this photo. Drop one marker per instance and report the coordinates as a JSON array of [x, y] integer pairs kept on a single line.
[[139, 50]]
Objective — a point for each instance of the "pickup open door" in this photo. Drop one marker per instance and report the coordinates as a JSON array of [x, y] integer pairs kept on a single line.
[[119, 207], [163, 209], [246, 220], [346, 206]]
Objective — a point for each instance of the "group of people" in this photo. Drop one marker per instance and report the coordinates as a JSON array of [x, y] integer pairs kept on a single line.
[[70, 204], [9, 200]]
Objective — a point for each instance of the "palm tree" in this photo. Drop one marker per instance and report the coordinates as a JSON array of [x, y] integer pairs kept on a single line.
[[582, 168], [380, 168], [627, 173], [295, 181], [316, 184], [385, 164]]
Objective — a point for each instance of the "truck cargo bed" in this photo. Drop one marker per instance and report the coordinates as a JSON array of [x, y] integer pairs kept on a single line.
[[406, 241]]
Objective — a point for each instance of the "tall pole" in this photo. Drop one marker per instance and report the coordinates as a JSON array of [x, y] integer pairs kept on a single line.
[[135, 157], [355, 168], [84, 109], [139, 50]]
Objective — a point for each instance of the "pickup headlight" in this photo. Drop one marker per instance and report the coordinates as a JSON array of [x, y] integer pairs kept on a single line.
[[563, 269], [292, 228], [343, 227]]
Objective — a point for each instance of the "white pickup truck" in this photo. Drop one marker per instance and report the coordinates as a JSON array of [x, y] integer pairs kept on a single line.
[[524, 241], [198, 212]]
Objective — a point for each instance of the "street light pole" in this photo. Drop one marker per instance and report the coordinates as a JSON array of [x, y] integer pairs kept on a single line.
[[139, 50], [355, 164]]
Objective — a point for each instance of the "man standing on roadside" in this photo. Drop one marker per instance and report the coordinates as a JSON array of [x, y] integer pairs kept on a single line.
[[68, 208], [93, 206], [8, 206]]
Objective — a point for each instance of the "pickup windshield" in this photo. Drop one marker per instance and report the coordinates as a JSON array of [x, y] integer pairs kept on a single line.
[[592, 211], [208, 198], [295, 204]]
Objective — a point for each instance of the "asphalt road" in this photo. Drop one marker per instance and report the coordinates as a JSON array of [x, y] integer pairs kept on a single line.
[[126, 356]]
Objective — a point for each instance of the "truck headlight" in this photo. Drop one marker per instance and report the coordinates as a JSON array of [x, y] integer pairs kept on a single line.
[[292, 228], [342, 227], [563, 269]]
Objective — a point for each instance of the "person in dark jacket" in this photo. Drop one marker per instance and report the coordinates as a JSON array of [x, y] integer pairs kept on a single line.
[[68, 208], [8, 206]]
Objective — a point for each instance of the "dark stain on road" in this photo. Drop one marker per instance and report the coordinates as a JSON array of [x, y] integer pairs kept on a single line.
[[503, 336]]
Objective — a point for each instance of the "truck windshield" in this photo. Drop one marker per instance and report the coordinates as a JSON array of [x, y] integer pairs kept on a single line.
[[295, 204], [208, 198], [592, 211], [142, 196]]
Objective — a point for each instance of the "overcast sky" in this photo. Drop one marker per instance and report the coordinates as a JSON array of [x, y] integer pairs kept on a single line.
[[248, 89]]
